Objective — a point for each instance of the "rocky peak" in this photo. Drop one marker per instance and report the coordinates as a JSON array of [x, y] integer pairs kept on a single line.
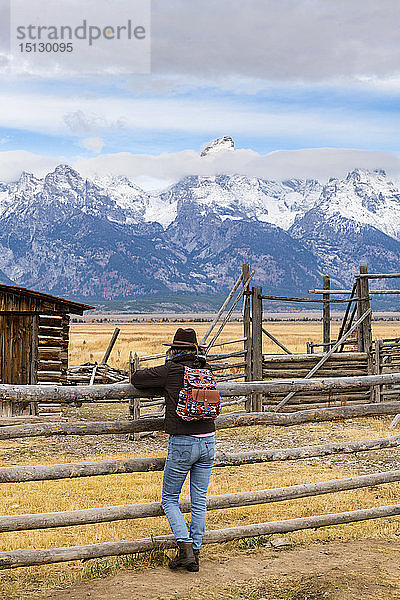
[[26, 182], [364, 198], [219, 145], [65, 177], [366, 175]]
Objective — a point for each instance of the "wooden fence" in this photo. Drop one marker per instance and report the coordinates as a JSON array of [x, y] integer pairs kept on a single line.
[[298, 365], [27, 557], [363, 355]]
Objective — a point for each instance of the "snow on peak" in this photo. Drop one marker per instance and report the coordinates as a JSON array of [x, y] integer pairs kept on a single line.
[[219, 145], [367, 197], [366, 176], [26, 184], [130, 198], [26, 176], [64, 169], [241, 197]]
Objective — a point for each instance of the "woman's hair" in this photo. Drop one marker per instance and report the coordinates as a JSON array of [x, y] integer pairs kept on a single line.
[[194, 353]]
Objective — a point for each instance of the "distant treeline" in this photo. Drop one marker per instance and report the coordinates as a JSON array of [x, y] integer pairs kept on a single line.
[[200, 319]]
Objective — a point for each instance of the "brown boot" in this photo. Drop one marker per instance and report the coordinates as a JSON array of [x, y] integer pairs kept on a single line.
[[184, 558], [196, 556]]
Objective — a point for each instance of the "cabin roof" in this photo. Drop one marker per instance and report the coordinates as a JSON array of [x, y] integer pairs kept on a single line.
[[68, 306]]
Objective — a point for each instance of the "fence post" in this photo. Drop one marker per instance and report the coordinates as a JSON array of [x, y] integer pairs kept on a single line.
[[365, 330], [134, 403], [367, 323], [326, 313], [360, 331], [363, 306], [256, 345], [247, 328], [376, 395], [247, 321]]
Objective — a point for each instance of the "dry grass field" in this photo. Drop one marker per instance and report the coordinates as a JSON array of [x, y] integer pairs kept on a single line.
[[89, 341]]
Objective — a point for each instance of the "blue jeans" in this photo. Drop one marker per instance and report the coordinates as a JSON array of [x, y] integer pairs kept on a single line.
[[195, 455]]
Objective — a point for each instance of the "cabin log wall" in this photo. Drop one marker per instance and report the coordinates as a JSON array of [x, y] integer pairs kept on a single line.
[[34, 337]]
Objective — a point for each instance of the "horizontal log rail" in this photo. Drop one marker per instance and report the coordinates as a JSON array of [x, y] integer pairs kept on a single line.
[[300, 356], [212, 357], [116, 466], [308, 405], [25, 558], [224, 421], [69, 394], [377, 276], [154, 509], [125, 391], [324, 383], [227, 366], [270, 372], [370, 292], [291, 299]]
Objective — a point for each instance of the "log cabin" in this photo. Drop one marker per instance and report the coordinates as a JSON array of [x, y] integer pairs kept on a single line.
[[34, 338]]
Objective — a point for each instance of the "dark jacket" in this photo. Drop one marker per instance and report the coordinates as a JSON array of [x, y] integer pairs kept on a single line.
[[167, 380]]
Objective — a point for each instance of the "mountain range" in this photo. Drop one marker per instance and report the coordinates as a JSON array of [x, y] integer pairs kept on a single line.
[[106, 238]]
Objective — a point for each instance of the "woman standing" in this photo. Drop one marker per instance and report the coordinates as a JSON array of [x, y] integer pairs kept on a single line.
[[191, 446]]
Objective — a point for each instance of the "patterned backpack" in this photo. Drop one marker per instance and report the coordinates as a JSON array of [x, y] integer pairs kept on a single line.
[[198, 399]]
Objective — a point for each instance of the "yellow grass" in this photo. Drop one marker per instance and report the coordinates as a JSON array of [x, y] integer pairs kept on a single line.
[[90, 340], [88, 343], [37, 497]]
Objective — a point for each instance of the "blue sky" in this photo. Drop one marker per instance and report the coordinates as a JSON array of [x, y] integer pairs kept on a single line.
[[355, 117], [288, 75]]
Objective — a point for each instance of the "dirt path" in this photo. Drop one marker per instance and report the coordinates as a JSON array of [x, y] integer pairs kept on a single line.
[[366, 569]]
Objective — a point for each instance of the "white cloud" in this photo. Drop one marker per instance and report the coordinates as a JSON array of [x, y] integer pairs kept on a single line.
[[97, 31], [285, 40], [318, 163], [268, 40], [13, 162], [79, 121], [94, 144]]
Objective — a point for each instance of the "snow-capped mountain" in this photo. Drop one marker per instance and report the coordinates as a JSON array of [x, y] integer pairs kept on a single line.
[[131, 200], [356, 221], [216, 249], [239, 197], [219, 145], [59, 193], [367, 197], [340, 245], [108, 238]]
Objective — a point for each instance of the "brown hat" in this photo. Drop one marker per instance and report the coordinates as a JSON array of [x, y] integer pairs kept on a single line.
[[184, 338]]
